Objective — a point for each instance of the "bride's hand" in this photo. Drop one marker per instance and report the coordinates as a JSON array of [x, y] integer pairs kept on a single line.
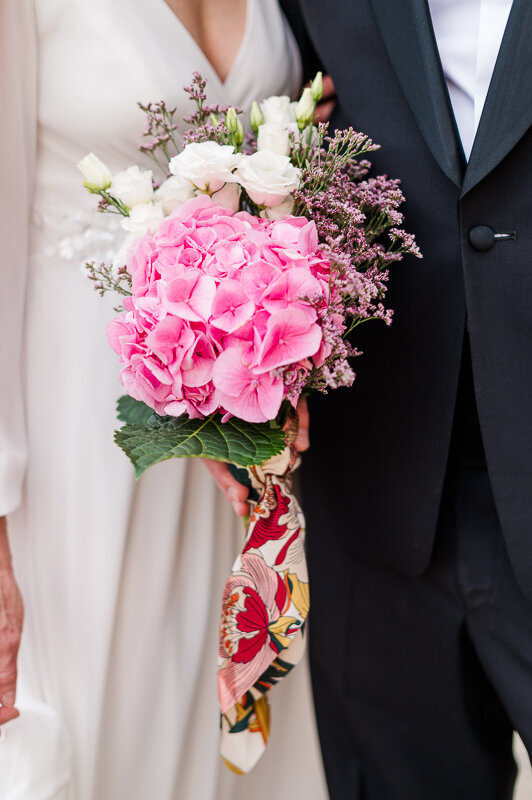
[[328, 101], [11, 617], [236, 492]]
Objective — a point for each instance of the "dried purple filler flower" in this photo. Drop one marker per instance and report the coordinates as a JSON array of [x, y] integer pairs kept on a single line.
[[358, 223]]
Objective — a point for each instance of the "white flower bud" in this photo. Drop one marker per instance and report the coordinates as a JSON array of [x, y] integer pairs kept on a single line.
[[255, 116], [239, 135], [96, 174], [231, 120], [235, 127], [317, 87], [305, 109]]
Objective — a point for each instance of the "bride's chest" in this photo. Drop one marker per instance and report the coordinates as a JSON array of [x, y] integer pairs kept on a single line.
[[98, 58]]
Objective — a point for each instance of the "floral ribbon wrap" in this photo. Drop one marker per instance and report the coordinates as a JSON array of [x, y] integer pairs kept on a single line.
[[264, 608]]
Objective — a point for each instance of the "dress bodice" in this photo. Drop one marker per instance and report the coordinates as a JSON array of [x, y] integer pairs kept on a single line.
[[97, 59]]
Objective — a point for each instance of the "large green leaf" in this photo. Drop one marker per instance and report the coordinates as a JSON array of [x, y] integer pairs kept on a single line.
[[159, 438], [133, 411]]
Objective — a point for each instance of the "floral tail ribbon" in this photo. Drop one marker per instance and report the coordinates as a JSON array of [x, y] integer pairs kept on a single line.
[[264, 608]]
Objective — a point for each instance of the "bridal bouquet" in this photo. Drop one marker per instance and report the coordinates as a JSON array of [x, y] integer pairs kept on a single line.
[[244, 272]]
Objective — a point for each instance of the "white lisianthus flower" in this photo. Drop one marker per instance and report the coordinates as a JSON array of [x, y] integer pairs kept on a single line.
[[274, 136], [228, 196], [132, 187], [267, 177], [96, 174], [281, 211], [143, 218], [278, 109], [207, 165], [173, 193]]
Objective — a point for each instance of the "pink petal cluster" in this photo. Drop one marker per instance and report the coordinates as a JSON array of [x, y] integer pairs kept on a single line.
[[225, 308]]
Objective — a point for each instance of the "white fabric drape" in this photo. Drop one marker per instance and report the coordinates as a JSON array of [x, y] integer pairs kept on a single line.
[[17, 146]]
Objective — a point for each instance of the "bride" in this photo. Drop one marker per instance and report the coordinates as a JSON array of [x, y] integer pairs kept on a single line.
[[121, 580]]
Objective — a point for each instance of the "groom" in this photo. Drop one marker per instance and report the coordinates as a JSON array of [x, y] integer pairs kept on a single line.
[[419, 479]]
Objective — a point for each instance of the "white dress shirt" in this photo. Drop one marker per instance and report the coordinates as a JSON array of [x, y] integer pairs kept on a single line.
[[469, 35]]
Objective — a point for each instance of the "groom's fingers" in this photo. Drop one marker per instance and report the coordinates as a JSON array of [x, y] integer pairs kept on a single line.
[[327, 102], [235, 492], [324, 111], [302, 441]]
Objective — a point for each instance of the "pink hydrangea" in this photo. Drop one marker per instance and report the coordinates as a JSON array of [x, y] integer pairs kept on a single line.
[[225, 309]]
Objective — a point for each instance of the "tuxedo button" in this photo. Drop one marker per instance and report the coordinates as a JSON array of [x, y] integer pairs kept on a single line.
[[482, 237]]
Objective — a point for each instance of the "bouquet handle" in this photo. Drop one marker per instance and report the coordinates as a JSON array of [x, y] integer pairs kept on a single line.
[[264, 608]]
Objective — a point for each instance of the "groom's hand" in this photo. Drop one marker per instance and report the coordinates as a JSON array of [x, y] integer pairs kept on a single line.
[[236, 492], [325, 107], [11, 618]]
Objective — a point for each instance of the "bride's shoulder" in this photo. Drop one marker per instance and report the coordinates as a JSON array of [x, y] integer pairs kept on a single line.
[[51, 13]]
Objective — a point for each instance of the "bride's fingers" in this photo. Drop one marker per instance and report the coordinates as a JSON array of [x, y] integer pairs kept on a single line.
[[235, 492], [7, 714]]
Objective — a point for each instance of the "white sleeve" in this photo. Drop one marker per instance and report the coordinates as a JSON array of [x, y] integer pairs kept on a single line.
[[18, 82]]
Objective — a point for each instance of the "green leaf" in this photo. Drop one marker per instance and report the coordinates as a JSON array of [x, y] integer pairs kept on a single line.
[[159, 438], [133, 411]]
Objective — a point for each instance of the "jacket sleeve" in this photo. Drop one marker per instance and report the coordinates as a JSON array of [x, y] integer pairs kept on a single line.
[[311, 61], [18, 68]]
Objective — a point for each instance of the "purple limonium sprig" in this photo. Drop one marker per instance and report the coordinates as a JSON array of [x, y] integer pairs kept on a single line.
[[359, 225], [160, 134], [207, 122]]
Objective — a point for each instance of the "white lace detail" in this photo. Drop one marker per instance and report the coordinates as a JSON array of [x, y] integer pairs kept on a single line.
[[78, 237]]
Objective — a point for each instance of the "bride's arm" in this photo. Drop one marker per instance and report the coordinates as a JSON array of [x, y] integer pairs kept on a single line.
[[11, 616], [17, 149]]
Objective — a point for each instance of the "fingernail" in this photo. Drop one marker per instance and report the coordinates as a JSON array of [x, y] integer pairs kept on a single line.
[[239, 509], [232, 495], [8, 699]]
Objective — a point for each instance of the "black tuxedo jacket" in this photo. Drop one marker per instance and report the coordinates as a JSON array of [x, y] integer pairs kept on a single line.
[[376, 468]]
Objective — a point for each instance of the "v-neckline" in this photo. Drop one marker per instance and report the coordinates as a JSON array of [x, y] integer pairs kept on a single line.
[[223, 84]]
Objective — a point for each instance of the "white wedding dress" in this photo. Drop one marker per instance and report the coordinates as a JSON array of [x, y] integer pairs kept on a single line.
[[121, 580]]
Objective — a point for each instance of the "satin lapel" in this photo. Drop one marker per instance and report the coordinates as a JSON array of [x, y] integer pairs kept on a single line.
[[406, 30], [507, 112]]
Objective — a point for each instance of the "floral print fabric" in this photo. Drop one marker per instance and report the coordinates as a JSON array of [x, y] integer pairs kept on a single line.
[[264, 608]]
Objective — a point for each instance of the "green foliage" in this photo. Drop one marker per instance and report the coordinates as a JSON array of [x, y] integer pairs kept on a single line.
[[147, 438], [134, 412]]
